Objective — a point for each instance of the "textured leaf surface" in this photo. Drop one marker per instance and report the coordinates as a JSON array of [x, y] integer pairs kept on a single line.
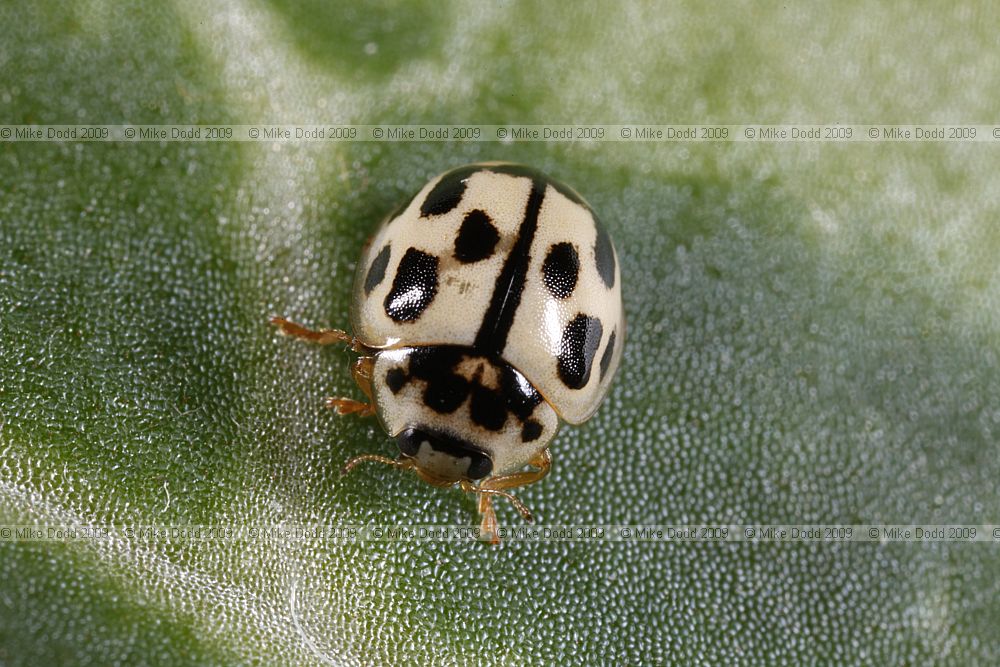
[[813, 336]]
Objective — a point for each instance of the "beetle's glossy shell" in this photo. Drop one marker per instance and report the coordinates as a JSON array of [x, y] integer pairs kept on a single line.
[[499, 258]]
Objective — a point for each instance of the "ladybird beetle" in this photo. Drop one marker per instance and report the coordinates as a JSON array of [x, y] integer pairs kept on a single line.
[[484, 310]]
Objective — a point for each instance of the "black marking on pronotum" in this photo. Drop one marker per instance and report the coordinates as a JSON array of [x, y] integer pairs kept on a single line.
[[604, 255], [410, 440], [488, 409], [413, 287], [580, 340], [561, 269], [395, 378], [609, 352], [376, 272], [499, 317], [530, 431], [477, 238], [445, 390]]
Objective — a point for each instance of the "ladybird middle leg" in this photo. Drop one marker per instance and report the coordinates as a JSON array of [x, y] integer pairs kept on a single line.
[[361, 371]]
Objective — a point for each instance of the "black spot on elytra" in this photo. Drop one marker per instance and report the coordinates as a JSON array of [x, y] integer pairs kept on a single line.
[[530, 431], [413, 287], [604, 254], [488, 409], [561, 269], [580, 340], [448, 192], [376, 272], [395, 379], [535, 175], [609, 352], [521, 396], [477, 238]]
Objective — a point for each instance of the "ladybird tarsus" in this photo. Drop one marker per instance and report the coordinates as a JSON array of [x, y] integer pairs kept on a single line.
[[320, 336]]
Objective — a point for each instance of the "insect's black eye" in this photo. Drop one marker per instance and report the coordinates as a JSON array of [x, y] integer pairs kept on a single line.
[[412, 439], [409, 441]]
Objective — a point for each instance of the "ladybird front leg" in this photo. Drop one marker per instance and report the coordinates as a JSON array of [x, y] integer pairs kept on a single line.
[[320, 337], [494, 486], [348, 406], [488, 522]]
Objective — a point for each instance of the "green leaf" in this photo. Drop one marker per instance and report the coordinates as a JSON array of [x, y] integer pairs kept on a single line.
[[813, 336]]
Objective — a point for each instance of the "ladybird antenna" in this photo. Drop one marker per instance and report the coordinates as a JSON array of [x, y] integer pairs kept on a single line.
[[404, 464]]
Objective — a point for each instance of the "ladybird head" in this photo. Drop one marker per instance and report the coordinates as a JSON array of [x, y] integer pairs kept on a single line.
[[442, 459]]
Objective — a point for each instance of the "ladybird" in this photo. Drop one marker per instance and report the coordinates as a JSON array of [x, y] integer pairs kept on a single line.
[[486, 310]]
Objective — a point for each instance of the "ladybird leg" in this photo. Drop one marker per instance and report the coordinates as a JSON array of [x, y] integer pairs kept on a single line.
[[362, 372], [488, 524], [542, 461], [320, 337], [485, 505], [348, 406], [494, 486]]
